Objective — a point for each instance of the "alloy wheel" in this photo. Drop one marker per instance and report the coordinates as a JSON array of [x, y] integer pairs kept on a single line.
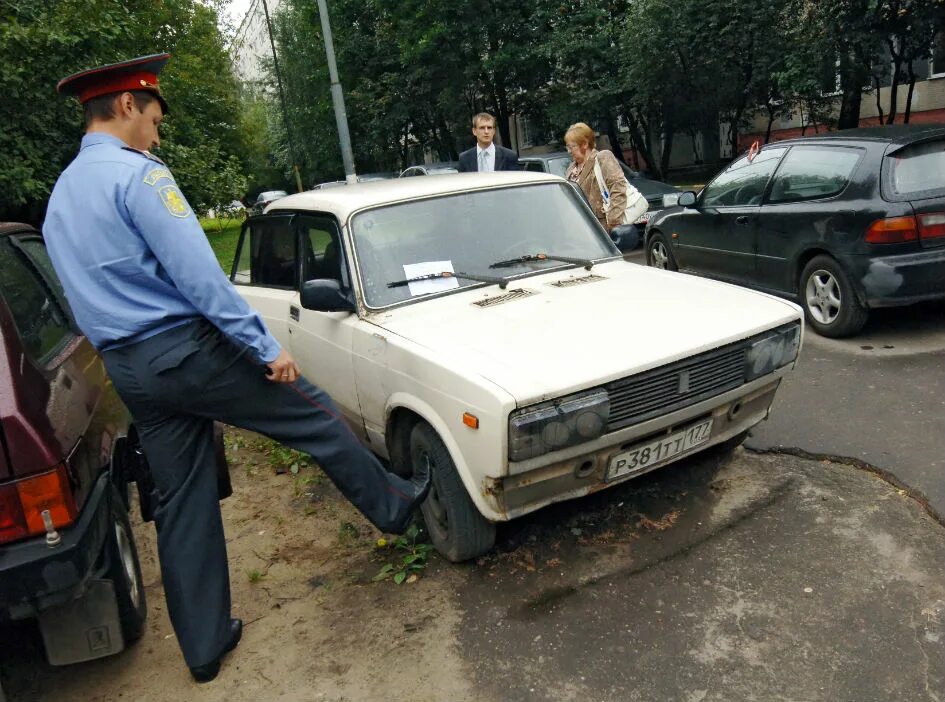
[[659, 256], [823, 296]]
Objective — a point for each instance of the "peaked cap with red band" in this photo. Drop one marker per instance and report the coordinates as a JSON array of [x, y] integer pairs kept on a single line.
[[137, 74]]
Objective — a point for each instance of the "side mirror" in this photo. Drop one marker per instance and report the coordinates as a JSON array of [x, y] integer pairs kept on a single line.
[[325, 295], [625, 236], [687, 199]]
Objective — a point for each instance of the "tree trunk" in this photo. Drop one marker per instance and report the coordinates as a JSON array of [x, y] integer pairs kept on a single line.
[[851, 86], [614, 138], [637, 137], [667, 151], [908, 112], [770, 121], [894, 86], [736, 118], [879, 102]]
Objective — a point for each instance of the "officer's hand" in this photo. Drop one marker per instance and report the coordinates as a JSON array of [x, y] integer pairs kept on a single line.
[[284, 369]]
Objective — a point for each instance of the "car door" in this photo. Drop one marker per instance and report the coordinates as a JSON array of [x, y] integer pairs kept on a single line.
[[801, 209], [321, 342], [717, 236], [266, 270]]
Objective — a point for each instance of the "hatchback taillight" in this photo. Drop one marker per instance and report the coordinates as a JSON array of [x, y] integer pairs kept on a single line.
[[932, 225], [22, 504], [893, 230]]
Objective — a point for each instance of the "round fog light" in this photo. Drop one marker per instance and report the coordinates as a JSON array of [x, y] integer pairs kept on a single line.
[[589, 425]]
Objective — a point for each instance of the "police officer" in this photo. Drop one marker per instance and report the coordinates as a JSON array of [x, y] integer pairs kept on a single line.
[[184, 349]]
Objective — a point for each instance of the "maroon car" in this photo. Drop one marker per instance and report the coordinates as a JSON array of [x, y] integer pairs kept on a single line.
[[67, 553]]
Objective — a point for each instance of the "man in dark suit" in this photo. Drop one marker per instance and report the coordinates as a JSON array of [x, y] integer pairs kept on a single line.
[[486, 155]]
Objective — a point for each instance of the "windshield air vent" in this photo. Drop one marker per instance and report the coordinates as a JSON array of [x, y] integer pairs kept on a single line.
[[577, 281], [508, 297]]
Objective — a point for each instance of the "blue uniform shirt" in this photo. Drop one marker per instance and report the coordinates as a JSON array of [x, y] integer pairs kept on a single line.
[[132, 257]]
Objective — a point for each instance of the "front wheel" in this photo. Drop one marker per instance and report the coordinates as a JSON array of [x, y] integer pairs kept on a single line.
[[458, 531], [658, 253], [829, 301]]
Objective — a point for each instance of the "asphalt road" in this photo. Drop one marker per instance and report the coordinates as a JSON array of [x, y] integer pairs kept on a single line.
[[877, 398]]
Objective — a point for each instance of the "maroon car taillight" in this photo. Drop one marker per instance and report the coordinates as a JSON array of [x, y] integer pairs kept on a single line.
[[23, 502], [893, 230], [932, 225]]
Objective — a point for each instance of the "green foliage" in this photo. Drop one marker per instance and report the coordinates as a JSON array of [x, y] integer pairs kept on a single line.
[[224, 236], [41, 41], [255, 575], [410, 557]]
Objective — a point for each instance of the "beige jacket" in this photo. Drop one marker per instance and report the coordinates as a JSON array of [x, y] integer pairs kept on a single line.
[[614, 180]]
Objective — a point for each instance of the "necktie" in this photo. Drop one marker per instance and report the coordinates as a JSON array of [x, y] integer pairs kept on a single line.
[[483, 161]]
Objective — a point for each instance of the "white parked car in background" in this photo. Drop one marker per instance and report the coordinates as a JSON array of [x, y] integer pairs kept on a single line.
[[486, 324]]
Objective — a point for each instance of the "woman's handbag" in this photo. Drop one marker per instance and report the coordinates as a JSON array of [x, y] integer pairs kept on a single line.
[[636, 203]]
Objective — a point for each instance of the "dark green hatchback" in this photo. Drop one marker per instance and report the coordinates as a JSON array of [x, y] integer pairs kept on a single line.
[[841, 222]]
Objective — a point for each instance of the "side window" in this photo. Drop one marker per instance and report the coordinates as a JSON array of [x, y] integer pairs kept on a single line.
[[534, 166], [743, 183], [321, 249], [268, 255], [42, 323], [813, 172]]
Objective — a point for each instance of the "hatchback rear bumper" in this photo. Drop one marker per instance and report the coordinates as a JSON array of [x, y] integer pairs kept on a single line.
[[34, 576], [901, 280]]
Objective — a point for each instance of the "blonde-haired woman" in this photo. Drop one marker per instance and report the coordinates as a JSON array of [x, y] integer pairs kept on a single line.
[[580, 142]]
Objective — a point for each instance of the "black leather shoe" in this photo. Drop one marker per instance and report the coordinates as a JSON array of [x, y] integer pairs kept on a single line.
[[208, 671], [422, 481]]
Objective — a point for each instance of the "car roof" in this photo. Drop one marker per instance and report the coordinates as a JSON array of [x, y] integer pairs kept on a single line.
[[892, 134], [342, 202], [549, 156], [7, 228]]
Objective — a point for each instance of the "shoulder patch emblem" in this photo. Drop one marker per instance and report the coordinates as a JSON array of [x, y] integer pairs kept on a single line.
[[156, 174], [174, 201]]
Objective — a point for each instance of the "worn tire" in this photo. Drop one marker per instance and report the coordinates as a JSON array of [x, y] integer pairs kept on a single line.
[[124, 570], [830, 303], [457, 529], [659, 254]]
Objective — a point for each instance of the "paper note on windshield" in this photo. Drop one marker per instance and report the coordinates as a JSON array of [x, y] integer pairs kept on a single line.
[[433, 285]]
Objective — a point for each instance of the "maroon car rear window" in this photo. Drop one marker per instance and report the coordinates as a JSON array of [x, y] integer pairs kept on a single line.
[[42, 325], [918, 170]]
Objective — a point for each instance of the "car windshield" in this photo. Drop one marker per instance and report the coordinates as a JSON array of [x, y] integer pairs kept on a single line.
[[919, 169], [467, 233]]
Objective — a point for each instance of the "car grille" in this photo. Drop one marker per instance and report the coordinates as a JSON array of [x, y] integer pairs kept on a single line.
[[678, 385]]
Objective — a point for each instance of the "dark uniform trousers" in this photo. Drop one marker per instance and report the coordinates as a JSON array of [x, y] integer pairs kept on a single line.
[[175, 384]]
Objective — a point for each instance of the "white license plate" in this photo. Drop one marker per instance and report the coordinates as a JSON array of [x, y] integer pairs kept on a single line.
[[648, 455]]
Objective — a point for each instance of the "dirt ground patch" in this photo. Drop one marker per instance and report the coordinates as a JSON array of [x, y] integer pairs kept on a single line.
[[317, 627]]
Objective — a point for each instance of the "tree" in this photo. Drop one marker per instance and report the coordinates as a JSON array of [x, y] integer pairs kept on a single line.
[[39, 132]]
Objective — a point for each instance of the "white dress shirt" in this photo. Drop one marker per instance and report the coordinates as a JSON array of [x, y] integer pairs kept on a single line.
[[486, 158]]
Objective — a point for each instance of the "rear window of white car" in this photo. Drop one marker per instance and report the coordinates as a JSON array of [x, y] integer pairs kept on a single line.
[[917, 171]]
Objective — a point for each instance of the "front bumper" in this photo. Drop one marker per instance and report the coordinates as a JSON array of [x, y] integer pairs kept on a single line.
[[34, 576], [901, 280], [583, 470]]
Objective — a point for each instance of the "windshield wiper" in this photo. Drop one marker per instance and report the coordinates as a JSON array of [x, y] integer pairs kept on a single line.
[[501, 282], [529, 258]]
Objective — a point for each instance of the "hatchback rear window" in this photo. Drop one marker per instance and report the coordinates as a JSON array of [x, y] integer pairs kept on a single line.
[[918, 170], [813, 173]]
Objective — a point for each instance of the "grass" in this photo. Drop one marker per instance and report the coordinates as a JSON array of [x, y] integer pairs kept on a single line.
[[224, 235]]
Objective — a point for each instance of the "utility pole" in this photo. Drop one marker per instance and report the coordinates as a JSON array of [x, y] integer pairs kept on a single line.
[[337, 98], [285, 112]]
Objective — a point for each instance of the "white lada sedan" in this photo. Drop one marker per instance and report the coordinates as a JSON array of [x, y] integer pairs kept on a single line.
[[486, 325]]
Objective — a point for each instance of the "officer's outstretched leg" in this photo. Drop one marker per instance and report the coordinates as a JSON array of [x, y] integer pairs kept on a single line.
[[303, 417]]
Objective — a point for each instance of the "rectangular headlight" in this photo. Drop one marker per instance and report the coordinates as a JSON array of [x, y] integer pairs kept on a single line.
[[554, 425], [771, 352]]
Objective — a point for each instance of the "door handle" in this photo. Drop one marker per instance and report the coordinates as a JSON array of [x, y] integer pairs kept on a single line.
[[294, 313], [741, 220]]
